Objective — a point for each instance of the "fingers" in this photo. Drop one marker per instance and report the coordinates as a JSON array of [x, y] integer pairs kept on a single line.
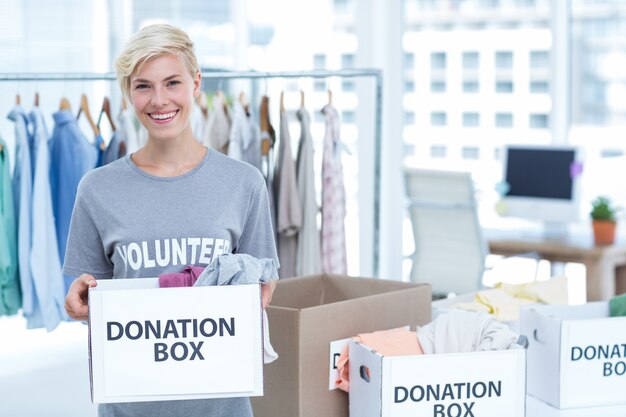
[[267, 290], [76, 302]]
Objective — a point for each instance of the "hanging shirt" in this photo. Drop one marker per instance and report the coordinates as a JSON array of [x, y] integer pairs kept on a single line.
[[218, 128], [220, 206], [71, 156], [45, 265], [245, 137], [198, 122], [22, 187], [288, 211], [115, 150], [10, 294], [333, 199], [308, 252], [127, 130]]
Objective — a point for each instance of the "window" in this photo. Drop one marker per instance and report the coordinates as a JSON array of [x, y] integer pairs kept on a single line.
[[538, 121], [504, 59], [347, 61], [319, 85], [409, 61], [504, 120], [504, 86], [409, 118], [539, 87], [470, 86], [438, 60], [348, 116], [438, 118], [409, 86], [438, 86], [470, 152], [539, 59], [438, 151], [470, 60], [319, 61], [348, 86], [471, 119]]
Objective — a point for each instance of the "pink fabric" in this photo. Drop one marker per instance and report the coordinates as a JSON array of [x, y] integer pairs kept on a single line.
[[186, 278], [396, 342], [333, 199]]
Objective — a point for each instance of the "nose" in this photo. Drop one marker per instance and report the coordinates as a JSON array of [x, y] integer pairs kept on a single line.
[[159, 97]]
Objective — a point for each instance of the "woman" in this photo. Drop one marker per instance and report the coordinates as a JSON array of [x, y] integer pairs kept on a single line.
[[170, 204]]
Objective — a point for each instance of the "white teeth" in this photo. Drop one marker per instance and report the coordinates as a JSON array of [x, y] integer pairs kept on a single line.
[[163, 116]]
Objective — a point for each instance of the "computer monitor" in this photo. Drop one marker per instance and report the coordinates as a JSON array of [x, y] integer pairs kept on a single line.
[[543, 183]]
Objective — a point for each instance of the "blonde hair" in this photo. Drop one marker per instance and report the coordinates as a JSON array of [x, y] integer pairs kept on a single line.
[[148, 43]]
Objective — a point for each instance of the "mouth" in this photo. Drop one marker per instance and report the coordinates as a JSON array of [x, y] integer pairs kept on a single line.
[[163, 117]]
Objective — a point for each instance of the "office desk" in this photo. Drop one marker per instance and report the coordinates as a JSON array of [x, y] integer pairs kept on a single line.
[[606, 265]]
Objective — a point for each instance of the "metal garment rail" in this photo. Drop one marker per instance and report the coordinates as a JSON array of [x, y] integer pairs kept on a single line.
[[346, 73]]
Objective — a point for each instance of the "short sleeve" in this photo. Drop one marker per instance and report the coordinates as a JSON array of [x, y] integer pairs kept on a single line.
[[257, 237], [85, 252]]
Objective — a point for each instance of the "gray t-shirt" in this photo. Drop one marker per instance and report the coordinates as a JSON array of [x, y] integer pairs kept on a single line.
[[127, 223]]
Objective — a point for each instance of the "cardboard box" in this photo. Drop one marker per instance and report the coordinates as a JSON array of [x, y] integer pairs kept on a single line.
[[308, 313], [576, 355], [485, 384], [150, 344]]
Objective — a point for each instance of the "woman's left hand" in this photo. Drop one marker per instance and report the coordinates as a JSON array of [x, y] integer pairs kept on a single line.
[[267, 290]]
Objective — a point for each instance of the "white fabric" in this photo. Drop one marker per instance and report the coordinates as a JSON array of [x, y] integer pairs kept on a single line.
[[309, 250], [198, 122], [333, 198], [241, 268], [245, 141], [288, 210], [128, 131], [459, 331], [218, 127]]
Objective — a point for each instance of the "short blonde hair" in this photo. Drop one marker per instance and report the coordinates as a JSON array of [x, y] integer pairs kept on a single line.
[[148, 43]]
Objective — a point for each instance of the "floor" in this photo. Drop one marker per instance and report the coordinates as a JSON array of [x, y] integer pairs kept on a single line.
[[44, 374]]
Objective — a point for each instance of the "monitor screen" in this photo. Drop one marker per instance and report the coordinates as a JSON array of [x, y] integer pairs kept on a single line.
[[541, 173], [542, 183]]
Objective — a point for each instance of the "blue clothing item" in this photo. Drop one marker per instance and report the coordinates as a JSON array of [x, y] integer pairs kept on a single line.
[[237, 268], [71, 156], [99, 144], [22, 187], [113, 151], [10, 294], [45, 265]]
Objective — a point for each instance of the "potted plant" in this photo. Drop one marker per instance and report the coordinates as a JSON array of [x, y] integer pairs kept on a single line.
[[603, 215]]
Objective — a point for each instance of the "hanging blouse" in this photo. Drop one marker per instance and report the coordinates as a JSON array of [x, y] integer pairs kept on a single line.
[[22, 191], [288, 211], [218, 128], [333, 198], [308, 257], [10, 294], [244, 141], [44, 257]]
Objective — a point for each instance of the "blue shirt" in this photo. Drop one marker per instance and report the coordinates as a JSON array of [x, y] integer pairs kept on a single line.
[[22, 187], [10, 294], [45, 265], [71, 156]]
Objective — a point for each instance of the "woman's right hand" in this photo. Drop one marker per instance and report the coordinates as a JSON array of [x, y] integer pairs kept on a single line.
[[76, 303]]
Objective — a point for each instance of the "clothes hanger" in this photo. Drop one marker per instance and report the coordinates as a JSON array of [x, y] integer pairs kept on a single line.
[[302, 98], [36, 99], [330, 98], [106, 109], [18, 100], [267, 131], [244, 103], [84, 108]]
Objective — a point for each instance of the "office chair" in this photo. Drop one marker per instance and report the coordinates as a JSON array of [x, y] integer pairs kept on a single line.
[[450, 249]]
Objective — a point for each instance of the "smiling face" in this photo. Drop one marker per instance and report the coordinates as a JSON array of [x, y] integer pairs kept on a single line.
[[162, 94]]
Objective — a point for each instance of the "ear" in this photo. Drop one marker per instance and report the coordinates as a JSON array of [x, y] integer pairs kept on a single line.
[[197, 82]]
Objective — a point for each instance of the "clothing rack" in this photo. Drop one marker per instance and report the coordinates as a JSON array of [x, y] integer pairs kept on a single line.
[[207, 74]]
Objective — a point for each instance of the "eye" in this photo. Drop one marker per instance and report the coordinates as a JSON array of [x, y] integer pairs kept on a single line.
[[173, 83], [141, 86]]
